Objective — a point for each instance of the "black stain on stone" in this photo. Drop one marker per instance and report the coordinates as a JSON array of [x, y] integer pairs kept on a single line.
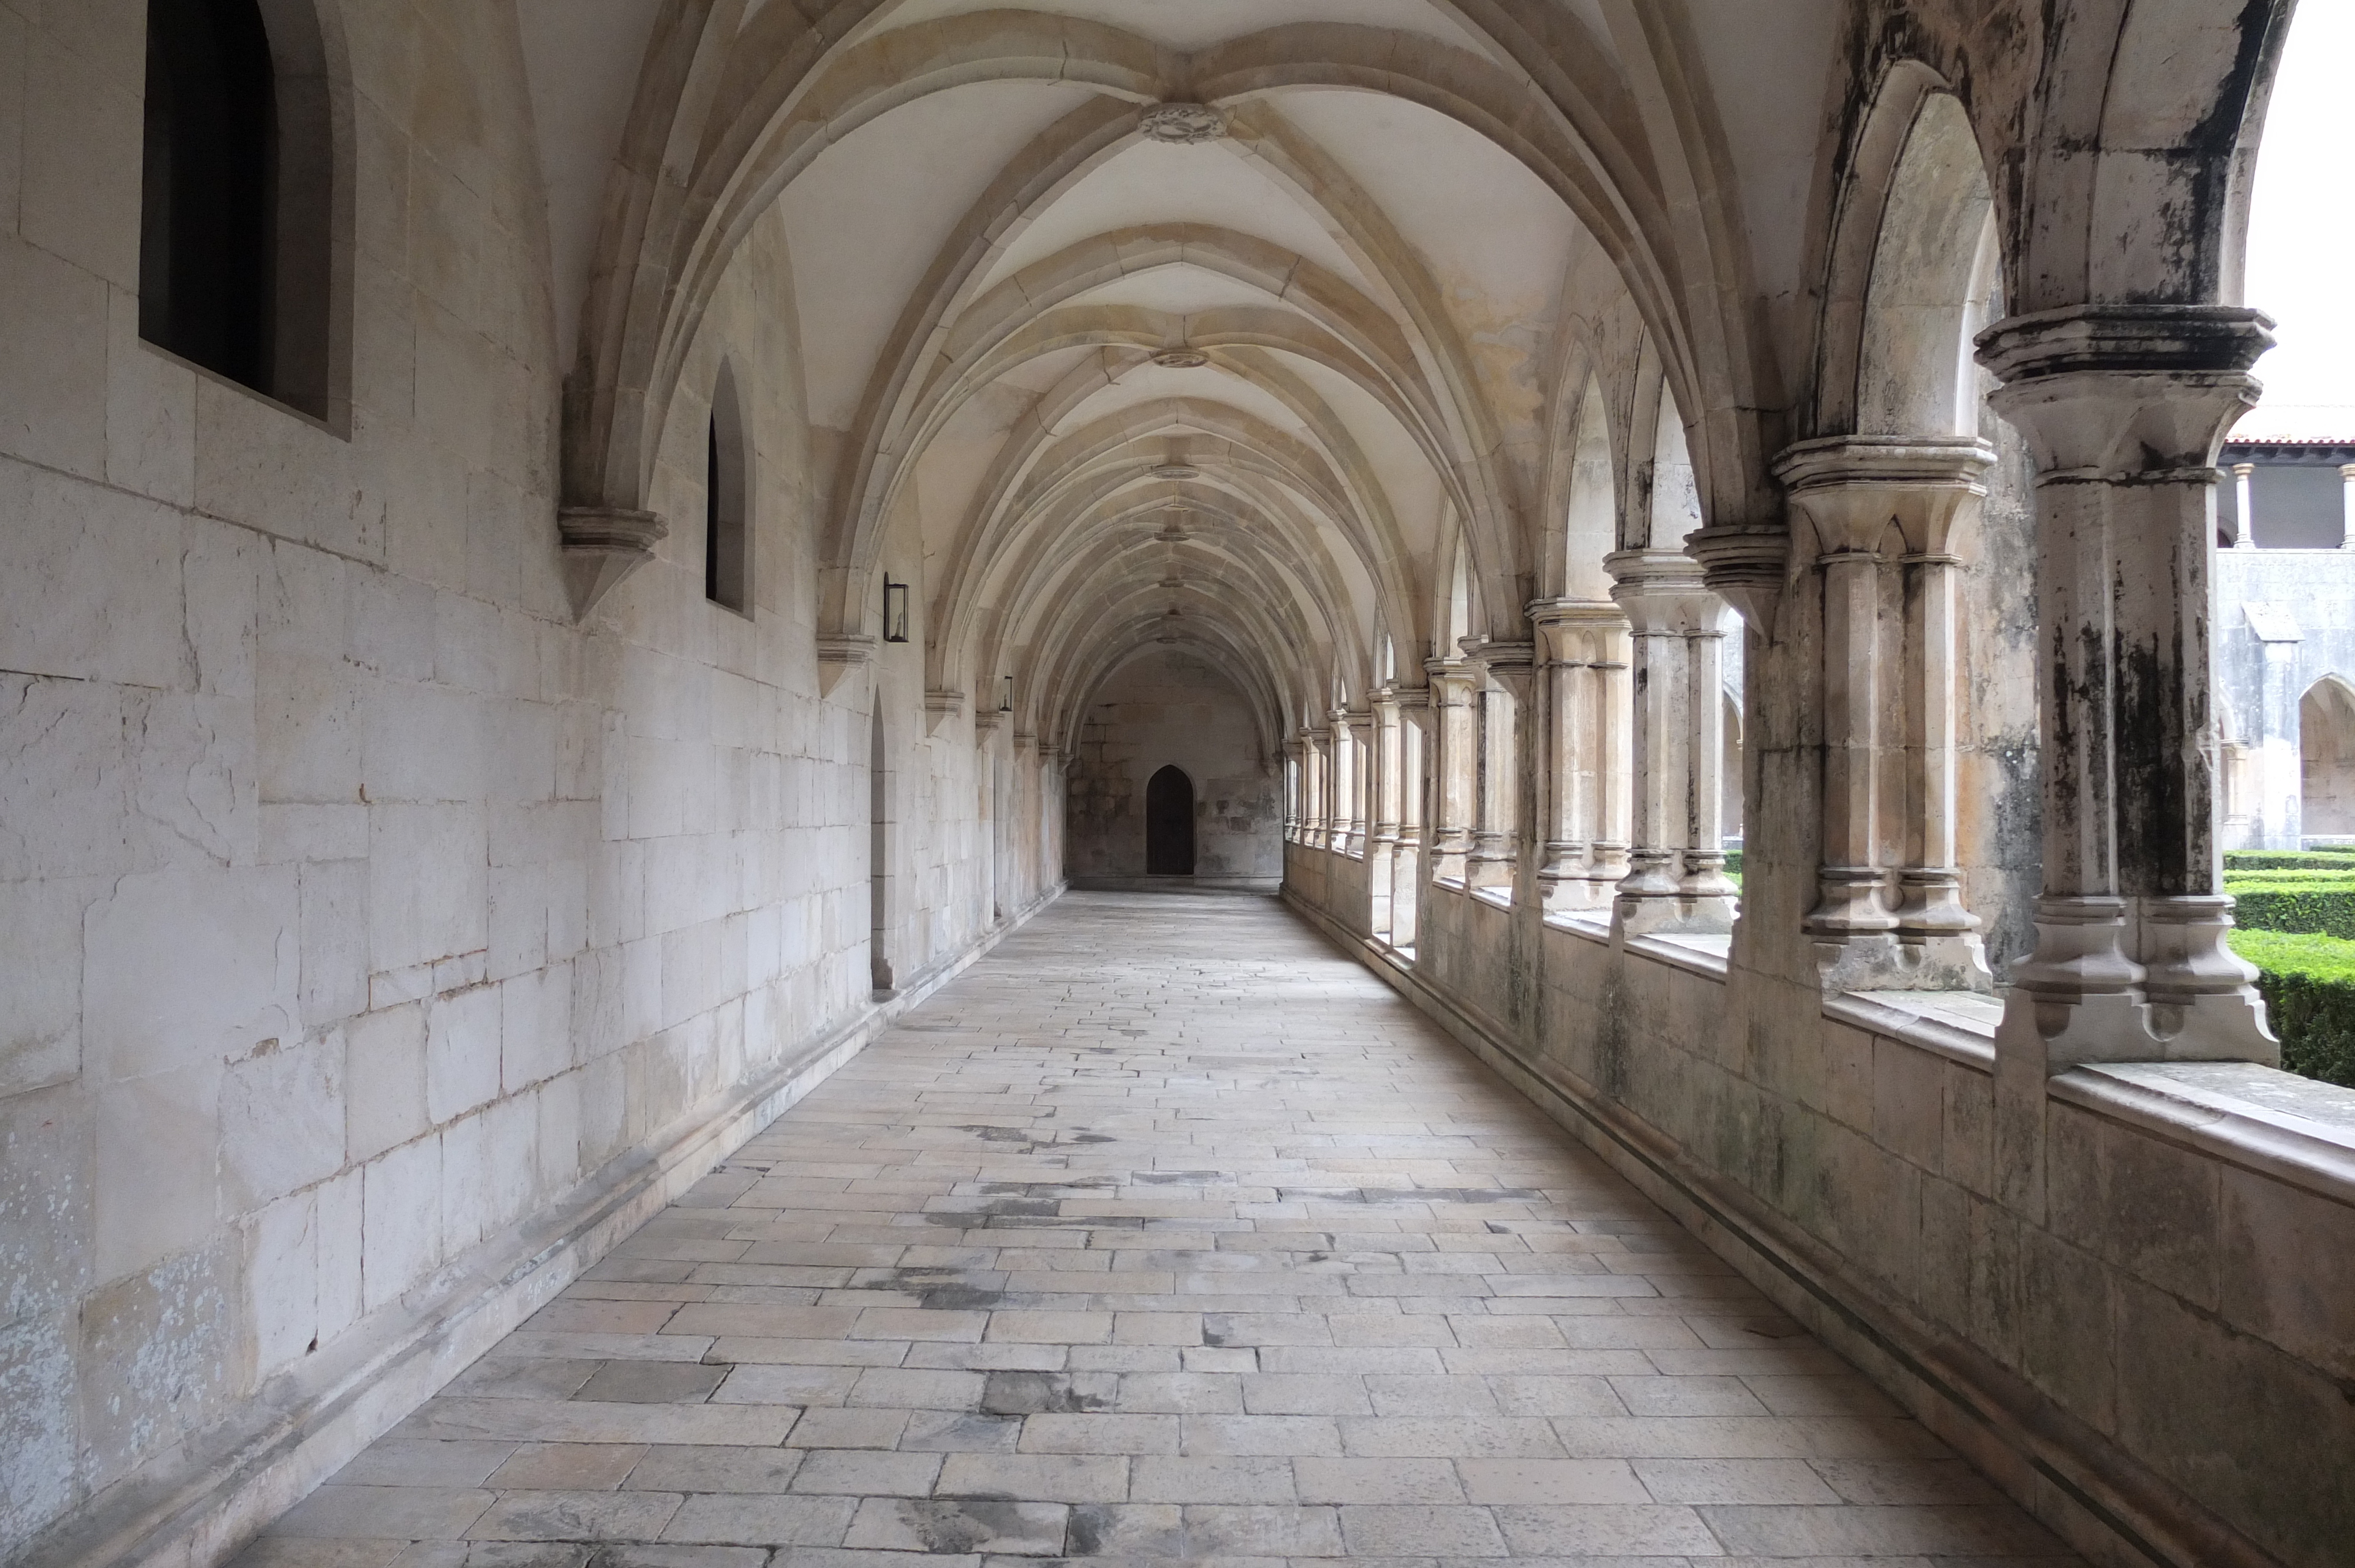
[[1048, 1394]]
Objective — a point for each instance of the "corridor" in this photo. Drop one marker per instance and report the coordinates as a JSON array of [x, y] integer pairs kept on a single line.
[[1165, 1233]]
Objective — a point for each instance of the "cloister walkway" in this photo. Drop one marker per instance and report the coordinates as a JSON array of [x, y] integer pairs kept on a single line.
[[1164, 1233]]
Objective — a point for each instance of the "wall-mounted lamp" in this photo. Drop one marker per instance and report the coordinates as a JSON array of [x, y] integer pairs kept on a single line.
[[1006, 703], [895, 611]]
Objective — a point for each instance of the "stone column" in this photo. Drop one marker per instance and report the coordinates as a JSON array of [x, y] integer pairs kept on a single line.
[[1320, 790], [1676, 879], [2281, 783], [1884, 515], [1291, 790], [2347, 505], [1352, 733], [1613, 685], [1454, 768], [1509, 669], [1415, 714], [1382, 850], [1574, 639], [2244, 494], [2124, 408]]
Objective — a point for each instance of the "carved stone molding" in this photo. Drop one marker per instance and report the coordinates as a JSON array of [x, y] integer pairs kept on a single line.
[[601, 546], [1185, 125], [1181, 359]]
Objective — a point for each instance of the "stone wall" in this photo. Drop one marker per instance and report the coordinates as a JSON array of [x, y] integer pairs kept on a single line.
[[1171, 708], [362, 911]]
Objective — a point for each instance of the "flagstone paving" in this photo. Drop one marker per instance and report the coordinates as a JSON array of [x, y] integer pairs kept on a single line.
[[1163, 1234]]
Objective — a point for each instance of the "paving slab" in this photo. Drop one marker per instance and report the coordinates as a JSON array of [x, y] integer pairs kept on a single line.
[[1166, 1234]]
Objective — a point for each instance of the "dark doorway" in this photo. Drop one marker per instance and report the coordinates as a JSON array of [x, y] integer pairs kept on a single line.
[[1169, 824]]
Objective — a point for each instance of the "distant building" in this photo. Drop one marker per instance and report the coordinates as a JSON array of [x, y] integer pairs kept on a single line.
[[2284, 640]]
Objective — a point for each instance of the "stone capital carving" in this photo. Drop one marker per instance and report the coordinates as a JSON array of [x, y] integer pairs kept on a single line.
[[2102, 393], [1576, 631], [1662, 592], [1850, 487], [1746, 566], [1511, 665], [1451, 681], [601, 546]]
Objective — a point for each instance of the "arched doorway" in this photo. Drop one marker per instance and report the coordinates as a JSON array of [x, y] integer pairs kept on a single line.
[[1169, 823], [2326, 730]]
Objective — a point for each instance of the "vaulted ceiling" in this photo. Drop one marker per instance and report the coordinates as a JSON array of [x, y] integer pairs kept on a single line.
[[1258, 325]]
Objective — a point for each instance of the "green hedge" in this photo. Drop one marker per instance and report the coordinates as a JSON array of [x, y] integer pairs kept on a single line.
[[2315, 904], [2289, 859], [2309, 984]]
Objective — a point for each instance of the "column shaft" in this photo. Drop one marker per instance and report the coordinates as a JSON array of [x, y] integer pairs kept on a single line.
[[2124, 408]]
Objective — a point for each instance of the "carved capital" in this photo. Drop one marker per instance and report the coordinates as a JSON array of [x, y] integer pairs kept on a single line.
[[1511, 666], [1452, 681], [1663, 593], [601, 546], [2113, 392], [1745, 564], [1850, 487], [1577, 630]]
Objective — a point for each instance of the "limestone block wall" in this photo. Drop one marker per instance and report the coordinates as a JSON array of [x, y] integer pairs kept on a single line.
[[360, 909], [2119, 1293], [1170, 708]]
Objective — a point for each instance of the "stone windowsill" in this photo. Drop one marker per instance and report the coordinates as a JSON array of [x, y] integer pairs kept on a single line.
[[2261, 1118], [1956, 1024], [1695, 953], [1494, 897]]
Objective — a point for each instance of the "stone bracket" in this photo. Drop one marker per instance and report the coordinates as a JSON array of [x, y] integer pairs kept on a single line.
[[601, 546], [839, 657], [941, 709]]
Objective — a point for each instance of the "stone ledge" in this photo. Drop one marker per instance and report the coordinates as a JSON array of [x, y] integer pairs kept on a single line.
[[2274, 1123], [1706, 956], [1952, 1025], [198, 1504]]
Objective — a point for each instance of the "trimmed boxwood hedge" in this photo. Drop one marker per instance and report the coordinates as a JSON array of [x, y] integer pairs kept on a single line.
[[2289, 859], [2318, 903], [2309, 984]]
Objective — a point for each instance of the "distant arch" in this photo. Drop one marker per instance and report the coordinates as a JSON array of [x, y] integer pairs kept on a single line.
[[2325, 747], [1169, 823]]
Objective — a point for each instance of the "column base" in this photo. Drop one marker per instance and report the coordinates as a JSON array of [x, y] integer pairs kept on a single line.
[[1492, 863], [1905, 960], [1672, 913], [2063, 1032], [1562, 884]]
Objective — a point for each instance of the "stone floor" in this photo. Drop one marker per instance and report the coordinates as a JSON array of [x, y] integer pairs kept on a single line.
[[1165, 1233]]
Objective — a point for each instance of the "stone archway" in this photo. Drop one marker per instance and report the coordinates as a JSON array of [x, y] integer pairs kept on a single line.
[[2326, 744], [1169, 823]]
